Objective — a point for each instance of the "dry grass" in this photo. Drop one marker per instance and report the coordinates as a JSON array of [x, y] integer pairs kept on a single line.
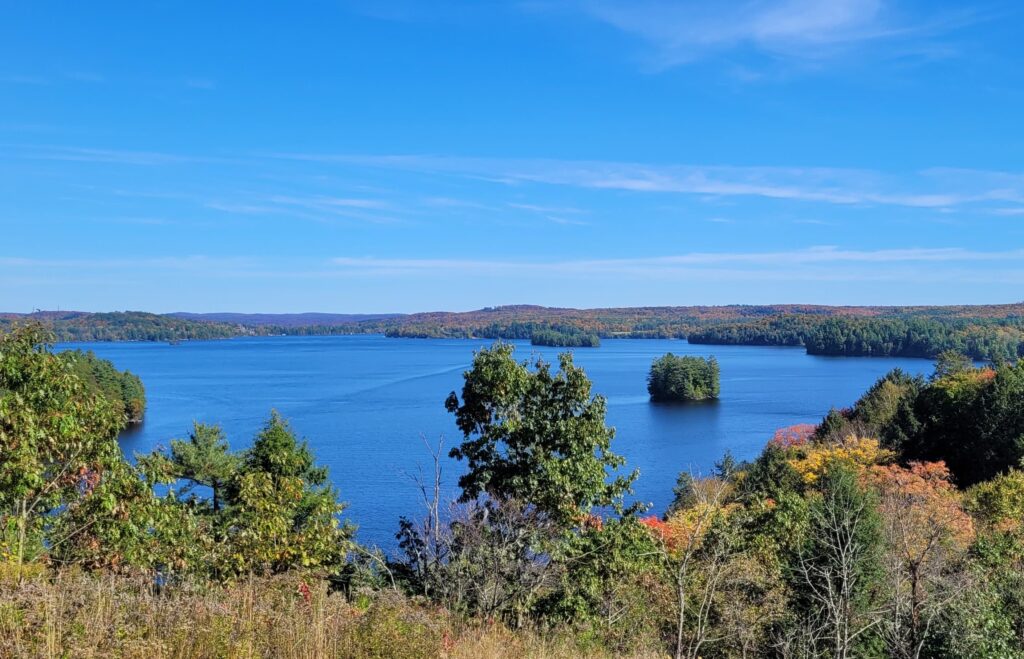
[[46, 614]]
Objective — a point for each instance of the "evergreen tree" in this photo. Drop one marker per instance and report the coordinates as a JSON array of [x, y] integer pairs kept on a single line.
[[282, 512], [205, 459]]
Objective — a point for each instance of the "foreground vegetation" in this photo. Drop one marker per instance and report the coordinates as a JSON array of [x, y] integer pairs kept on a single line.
[[99, 615], [893, 528]]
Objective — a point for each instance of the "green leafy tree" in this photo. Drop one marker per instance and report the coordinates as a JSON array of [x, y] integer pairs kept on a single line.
[[124, 524], [535, 436], [57, 443], [771, 475], [610, 582]]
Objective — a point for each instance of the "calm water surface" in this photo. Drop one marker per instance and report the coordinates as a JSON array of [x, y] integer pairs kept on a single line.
[[365, 403]]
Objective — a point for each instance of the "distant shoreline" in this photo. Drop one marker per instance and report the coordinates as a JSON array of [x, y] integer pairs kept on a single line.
[[983, 332]]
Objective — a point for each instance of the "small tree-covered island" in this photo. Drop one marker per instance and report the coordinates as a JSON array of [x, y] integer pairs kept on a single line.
[[678, 379]]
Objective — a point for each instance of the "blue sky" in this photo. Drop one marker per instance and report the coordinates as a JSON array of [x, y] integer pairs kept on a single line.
[[371, 156]]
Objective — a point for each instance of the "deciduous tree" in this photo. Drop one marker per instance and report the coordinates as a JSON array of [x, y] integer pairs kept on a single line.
[[535, 436]]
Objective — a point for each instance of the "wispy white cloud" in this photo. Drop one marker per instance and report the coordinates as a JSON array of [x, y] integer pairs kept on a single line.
[[113, 156], [318, 208], [201, 83], [682, 31], [932, 188], [452, 202], [325, 202], [240, 208], [85, 76], [939, 189], [567, 221], [21, 79], [788, 258], [560, 210], [195, 262], [824, 255], [553, 214], [815, 264]]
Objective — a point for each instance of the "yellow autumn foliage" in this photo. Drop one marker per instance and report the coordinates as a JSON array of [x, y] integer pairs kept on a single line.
[[857, 452]]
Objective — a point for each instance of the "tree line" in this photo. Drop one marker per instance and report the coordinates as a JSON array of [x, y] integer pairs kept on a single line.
[[123, 389], [996, 340], [993, 332], [76, 326], [562, 337]]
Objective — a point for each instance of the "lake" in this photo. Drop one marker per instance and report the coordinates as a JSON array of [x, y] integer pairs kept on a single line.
[[366, 403]]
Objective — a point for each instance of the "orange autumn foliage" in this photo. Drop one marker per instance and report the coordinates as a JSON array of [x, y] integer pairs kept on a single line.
[[685, 530], [591, 522], [659, 529], [923, 507]]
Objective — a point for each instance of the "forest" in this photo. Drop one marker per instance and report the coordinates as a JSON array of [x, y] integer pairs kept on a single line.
[[891, 529], [123, 389], [983, 339], [560, 337], [72, 326], [983, 332]]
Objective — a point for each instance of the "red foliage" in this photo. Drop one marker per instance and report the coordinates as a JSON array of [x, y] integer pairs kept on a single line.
[[660, 529], [654, 523], [304, 592], [447, 642], [792, 436]]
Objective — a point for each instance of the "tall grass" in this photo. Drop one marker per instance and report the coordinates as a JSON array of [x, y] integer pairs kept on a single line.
[[72, 614]]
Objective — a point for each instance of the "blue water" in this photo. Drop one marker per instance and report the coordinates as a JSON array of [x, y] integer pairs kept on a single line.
[[366, 403]]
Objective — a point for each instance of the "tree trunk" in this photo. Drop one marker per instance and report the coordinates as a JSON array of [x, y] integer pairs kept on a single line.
[[681, 593], [22, 533]]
